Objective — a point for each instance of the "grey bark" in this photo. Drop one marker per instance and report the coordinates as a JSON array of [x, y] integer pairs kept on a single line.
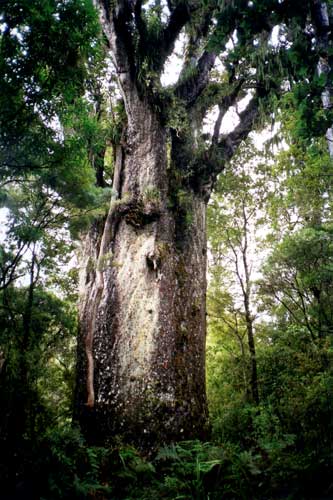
[[143, 303]]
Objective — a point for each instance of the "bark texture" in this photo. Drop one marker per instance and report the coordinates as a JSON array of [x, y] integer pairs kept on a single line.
[[142, 313]]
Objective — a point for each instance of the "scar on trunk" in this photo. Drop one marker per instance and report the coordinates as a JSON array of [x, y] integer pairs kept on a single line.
[[90, 377], [95, 297]]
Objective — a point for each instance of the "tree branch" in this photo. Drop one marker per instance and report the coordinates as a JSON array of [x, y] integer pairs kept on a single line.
[[116, 24], [190, 89], [230, 143], [227, 102], [215, 157], [139, 22], [179, 16]]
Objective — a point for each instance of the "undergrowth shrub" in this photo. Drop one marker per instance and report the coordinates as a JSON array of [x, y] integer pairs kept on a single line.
[[69, 468]]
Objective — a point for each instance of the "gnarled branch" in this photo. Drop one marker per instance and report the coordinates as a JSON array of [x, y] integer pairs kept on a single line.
[[190, 89], [247, 117], [227, 101], [220, 152], [116, 22]]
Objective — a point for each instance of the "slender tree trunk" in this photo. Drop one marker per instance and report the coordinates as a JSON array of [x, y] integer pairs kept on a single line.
[[142, 314], [253, 357], [247, 291], [23, 410]]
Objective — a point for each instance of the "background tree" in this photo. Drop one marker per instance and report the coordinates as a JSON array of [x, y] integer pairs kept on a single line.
[[235, 224], [37, 326]]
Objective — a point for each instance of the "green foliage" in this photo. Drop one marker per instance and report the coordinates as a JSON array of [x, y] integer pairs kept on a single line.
[[48, 52], [298, 280], [186, 466], [303, 104], [151, 195], [36, 68], [70, 468], [287, 437]]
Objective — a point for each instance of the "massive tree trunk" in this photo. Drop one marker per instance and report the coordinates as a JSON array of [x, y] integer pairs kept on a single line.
[[141, 351], [143, 314]]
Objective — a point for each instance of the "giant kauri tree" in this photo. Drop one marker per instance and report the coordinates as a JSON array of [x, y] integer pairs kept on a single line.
[[141, 355]]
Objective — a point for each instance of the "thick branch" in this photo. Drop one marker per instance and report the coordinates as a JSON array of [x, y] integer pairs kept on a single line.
[[190, 89], [140, 24], [214, 159], [180, 15], [230, 143], [227, 101], [116, 23], [178, 18]]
